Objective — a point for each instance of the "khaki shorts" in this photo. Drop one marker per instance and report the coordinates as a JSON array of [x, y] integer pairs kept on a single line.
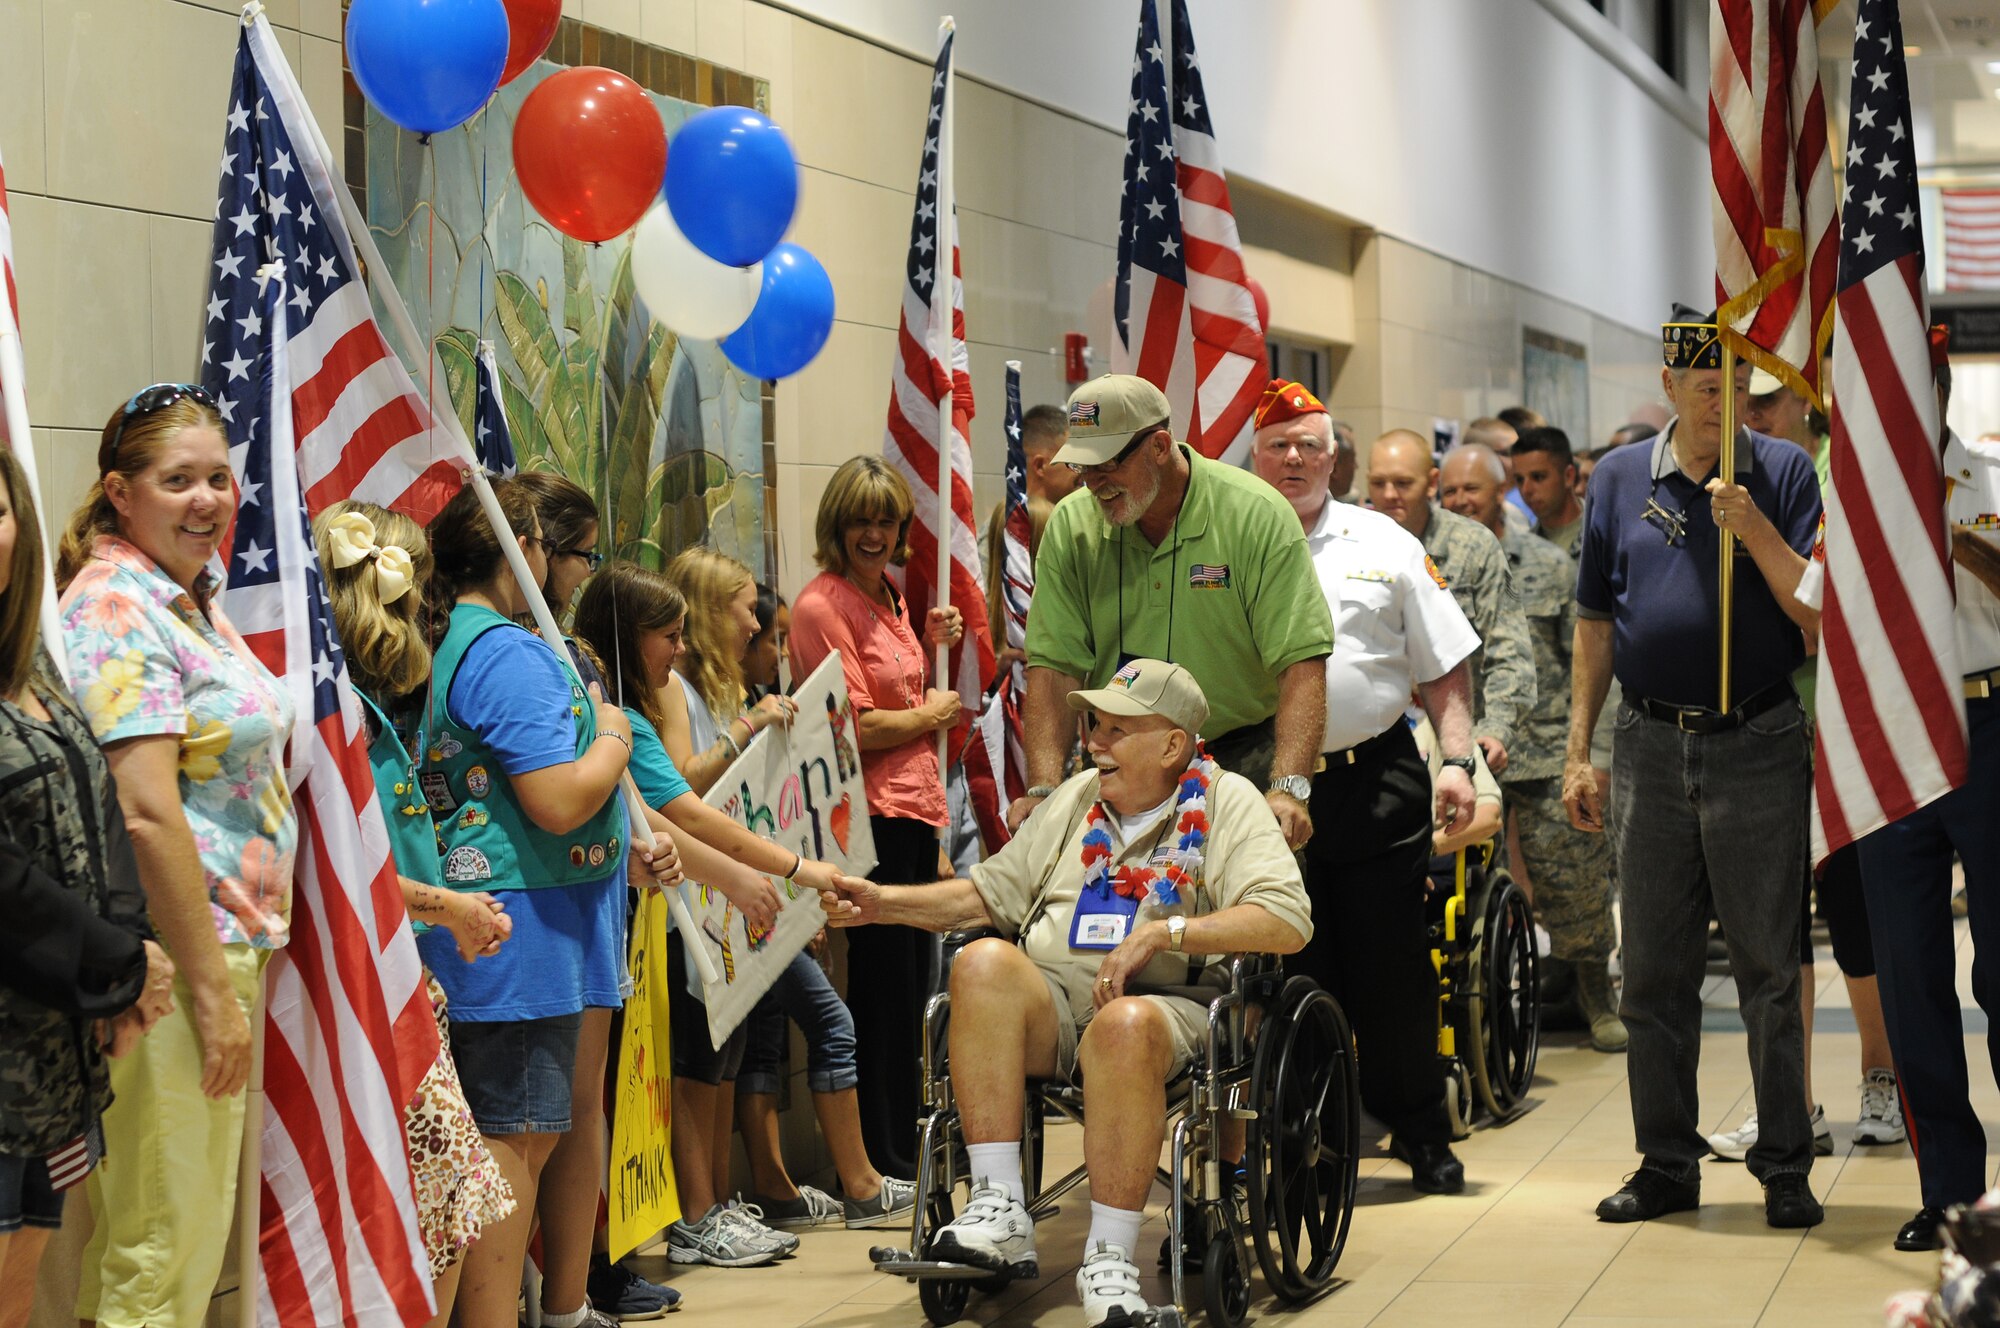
[[1187, 1024]]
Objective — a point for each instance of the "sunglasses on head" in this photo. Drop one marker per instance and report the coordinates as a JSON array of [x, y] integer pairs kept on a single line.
[[147, 400]]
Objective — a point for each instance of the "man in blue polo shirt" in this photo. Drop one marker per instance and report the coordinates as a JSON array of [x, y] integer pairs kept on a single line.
[[1712, 804]]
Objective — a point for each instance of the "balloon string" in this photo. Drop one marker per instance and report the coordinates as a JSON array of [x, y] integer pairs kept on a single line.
[[430, 289], [485, 255]]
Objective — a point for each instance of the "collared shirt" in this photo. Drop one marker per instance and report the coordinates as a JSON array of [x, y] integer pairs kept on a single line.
[[1229, 595], [1503, 669], [1972, 498], [1394, 623], [1544, 580], [150, 662], [1245, 861], [1661, 596], [1567, 538]]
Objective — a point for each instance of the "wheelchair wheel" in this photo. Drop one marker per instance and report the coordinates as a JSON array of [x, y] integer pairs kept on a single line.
[[1505, 1001], [1225, 1281], [1304, 1143], [943, 1299]]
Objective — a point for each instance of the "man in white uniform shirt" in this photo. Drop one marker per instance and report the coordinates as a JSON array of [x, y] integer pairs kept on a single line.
[[1906, 866], [1397, 629]]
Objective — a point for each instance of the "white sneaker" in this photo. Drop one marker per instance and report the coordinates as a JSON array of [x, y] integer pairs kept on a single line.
[[1881, 1120], [1735, 1145], [749, 1218], [1544, 943], [720, 1239], [994, 1232], [1108, 1282]]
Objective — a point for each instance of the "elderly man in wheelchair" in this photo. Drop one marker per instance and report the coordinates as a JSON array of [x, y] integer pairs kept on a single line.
[[1117, 892]]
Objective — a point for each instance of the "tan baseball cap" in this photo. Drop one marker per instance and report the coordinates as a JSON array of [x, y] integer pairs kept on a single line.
[[1149, 687], [1104, 414]]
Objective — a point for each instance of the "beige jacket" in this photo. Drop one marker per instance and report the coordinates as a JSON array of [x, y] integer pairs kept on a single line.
[[1245, 862]]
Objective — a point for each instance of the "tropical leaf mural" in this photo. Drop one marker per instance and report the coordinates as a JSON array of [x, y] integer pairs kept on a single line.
[[663, 432]]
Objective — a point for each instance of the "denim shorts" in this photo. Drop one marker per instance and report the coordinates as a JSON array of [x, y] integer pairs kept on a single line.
[[27, 1197], [517, 1074]]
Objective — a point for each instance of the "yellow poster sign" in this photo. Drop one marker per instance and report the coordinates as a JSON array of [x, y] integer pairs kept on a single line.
[[643, 1200]]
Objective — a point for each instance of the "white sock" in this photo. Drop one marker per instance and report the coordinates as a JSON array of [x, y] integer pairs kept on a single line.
[[998, 1165], [573, 1320], [1114, 1226]]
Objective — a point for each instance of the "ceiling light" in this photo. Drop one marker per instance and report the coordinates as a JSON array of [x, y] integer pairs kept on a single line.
[[1993, 66]]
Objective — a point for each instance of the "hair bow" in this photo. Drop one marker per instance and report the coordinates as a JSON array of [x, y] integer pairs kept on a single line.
[[350, 539]]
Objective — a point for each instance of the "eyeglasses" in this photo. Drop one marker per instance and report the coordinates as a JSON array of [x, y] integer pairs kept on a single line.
[[147, 400], [1309, 449], [1106, 467], [1667, 521], [591, 558]]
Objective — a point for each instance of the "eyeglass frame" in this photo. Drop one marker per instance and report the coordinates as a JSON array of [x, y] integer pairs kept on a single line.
[[1124, 453], [138, 405], [591, 557]]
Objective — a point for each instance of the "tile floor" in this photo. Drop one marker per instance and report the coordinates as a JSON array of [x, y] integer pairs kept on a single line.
[[1520, 1247]]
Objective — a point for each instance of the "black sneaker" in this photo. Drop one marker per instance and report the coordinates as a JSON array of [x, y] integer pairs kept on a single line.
[[1648, 1194], [1789, 1202], [619, 1293]]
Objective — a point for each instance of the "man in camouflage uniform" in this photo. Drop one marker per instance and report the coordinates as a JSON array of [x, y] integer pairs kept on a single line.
[[1401, 482], [1571, 870]]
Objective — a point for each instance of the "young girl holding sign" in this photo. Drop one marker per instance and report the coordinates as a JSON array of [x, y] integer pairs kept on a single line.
[[375, 561]]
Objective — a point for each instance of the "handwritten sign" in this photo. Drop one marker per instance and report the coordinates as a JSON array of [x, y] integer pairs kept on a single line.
[[802, 788], [643, 1199]]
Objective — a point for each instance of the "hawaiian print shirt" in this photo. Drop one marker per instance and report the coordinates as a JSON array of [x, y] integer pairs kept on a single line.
[[147, 661]]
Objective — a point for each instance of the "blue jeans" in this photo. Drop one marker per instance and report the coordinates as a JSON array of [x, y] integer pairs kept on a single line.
[[804, 993], [1906, 876], [1716, 821]]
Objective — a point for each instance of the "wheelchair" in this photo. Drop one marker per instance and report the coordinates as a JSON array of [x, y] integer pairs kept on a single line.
[[1482, 931], [1280, 1059]]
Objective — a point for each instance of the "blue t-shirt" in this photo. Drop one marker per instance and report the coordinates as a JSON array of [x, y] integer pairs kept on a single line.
[[568, 947], [659, 780], [1661, 595]]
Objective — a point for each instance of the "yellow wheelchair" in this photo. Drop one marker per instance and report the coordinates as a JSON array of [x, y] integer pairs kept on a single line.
[[1482, 932]]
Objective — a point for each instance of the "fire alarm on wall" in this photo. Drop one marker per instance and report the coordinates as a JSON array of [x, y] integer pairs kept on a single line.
[[1076, 357]]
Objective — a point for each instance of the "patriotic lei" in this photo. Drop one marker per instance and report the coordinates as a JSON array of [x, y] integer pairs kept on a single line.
[[1176, 863]]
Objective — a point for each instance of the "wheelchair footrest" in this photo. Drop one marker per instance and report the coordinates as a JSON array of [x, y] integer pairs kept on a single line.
[[901, 1263]]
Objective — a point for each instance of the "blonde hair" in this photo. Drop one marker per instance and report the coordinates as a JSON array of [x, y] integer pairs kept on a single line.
[[128, 453], [21, 601], [384, 643], [713, 664], [862, 488]]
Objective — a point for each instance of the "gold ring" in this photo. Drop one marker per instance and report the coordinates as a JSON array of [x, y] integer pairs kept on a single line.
[[1104, 982]]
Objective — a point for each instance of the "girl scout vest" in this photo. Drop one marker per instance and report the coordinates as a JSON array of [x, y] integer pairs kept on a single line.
[[413, 839], [489, 841]]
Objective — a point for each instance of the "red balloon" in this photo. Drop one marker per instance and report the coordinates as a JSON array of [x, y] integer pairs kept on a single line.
[[590, 151], [1261, 300], [531, 26]]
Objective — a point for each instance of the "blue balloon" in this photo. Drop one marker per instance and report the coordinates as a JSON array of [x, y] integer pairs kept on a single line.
[[429, 65], [793, 317], [732, 184]]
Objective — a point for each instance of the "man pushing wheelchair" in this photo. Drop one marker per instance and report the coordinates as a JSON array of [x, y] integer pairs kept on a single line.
[[1122, 895]]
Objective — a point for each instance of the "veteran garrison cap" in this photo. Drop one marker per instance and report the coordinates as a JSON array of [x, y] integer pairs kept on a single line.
[[1689, 340], [1104, 414]]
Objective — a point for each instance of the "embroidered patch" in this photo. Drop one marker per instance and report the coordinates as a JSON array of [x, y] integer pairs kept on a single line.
[[437, 792], [597, 855], [472, 817], [477, 782], [1436, 575], [1208, 576], [1126, 676], [576, 855], [465, 863], [1083, 412]]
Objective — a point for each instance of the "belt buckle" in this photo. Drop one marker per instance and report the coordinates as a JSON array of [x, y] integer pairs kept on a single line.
[[1349, 754], [1681, 714], [1979, 687]]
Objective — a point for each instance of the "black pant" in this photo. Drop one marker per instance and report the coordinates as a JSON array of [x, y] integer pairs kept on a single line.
[[1365, 875], [887, 970], [1845, 909]]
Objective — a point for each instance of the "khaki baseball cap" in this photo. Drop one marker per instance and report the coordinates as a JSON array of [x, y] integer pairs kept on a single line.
[[1104, 414], [1149, 687]]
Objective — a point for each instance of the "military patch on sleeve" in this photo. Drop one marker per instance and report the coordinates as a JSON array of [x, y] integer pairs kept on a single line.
[[1437, 576], [1819, 540]]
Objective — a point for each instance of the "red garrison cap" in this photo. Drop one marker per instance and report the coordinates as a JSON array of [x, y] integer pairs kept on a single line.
[[1940, 344], [1284, 401]]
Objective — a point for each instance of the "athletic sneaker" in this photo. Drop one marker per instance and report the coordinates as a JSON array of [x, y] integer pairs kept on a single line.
[[622, 1295], [1737, 1143], [813, 1208], [723, 1237], [1881, 1119], [890, 1206], [994, 1232], [753, 1216], [1108, 1282]]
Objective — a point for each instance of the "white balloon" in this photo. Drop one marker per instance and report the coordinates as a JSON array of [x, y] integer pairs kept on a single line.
[[685, 288]]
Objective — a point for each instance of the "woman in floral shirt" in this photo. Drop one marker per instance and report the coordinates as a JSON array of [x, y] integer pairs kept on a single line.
[[194, 729]]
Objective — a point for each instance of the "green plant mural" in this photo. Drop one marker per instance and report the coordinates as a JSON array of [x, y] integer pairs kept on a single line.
[[663, 432]]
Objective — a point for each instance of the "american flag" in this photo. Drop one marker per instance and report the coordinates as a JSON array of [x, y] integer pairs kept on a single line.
[[996, 764], [930, 375], [1971, 239], [1891, 723], [1186, 319], [1776, 235], [491, 441], [348, 1027], [10, 310]]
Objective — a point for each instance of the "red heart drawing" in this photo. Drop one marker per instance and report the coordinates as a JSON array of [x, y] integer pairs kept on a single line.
[[842, 819]]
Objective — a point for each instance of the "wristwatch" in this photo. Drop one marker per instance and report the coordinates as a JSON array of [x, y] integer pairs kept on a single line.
[[1292, 786], [1465, 763], [1176, 930]]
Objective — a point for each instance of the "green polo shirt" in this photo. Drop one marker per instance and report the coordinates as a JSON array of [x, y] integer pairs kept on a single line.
[[1230, 595]]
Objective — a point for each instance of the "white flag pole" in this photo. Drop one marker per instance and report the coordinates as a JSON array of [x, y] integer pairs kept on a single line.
[[943, 291], [14, 391]]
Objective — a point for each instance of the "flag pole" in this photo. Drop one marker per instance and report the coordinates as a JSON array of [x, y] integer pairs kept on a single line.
[[1726, 545], [14, 392], [250, 1170], [941, 348]]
